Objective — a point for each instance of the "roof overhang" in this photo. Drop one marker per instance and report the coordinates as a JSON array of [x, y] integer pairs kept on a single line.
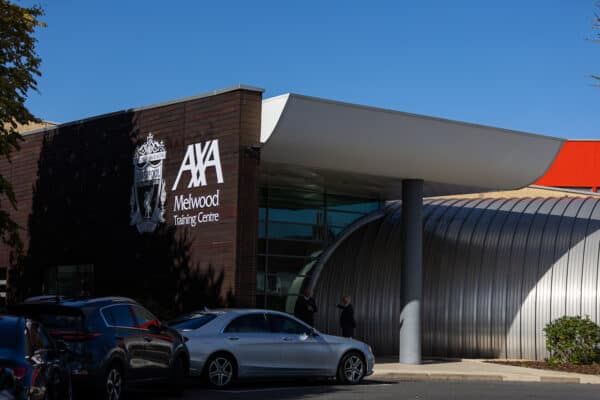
[[362, 150]]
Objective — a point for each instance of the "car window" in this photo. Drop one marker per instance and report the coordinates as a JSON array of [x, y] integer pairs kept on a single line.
[[192, 322], [250, 323], [144, 317], [61, 322], [119, 315], [283, 324]]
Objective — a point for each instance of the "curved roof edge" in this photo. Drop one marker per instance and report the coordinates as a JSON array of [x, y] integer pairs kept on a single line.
[[316, 134]]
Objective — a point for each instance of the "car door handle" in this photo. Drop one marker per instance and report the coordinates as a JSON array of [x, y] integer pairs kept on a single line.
[[233, 338], [288, 339], [147, 339]]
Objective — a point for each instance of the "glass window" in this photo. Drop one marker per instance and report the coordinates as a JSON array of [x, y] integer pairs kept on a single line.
[[69, 280], [251, 323], [262, 230], [294, 247], [288, 264], [262, 213], [295, 226], [293, 199], [338, 203], [303, 216], [341, 219], [144, 317], [119, 316], [282, 324], [280, 230], [61, 322], [336, 230], [192, 322]]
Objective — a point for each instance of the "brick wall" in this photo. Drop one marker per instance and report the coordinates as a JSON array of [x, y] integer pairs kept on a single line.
[[73, 186]]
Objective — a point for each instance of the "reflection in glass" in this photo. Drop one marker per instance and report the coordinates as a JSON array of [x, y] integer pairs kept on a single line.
[[294, 228]]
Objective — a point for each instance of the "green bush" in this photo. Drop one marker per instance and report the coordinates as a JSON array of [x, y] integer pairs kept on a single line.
[[572, 340]]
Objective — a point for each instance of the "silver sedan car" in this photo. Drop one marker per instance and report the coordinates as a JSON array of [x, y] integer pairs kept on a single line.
[[226, 345]]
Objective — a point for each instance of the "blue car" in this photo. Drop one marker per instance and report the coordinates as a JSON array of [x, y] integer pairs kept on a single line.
[[114, 343], [32, 365]]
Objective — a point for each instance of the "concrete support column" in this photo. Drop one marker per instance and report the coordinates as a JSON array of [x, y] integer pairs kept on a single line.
[[412, 271]]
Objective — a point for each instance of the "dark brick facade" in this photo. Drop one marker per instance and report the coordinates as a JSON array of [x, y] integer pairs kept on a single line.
[[73, 185]]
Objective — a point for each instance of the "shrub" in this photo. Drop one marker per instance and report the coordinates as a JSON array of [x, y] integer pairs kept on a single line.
[[572, 340]]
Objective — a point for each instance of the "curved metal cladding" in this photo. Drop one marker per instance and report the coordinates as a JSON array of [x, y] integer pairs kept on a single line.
[[496, 271]]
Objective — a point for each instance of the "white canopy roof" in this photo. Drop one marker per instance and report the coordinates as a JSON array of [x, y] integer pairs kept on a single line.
[[356, 149]]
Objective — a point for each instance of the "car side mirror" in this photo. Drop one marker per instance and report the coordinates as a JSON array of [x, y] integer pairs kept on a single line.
[[155, 325], [313, 332]]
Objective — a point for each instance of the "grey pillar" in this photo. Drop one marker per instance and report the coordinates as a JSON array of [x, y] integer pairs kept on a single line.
[[412, 271]]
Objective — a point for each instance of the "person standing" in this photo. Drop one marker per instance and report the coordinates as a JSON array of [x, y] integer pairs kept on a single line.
[[306, 307], [347, 321]]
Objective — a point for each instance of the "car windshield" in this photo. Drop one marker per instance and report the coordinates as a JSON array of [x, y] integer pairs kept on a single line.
[[191, 322]]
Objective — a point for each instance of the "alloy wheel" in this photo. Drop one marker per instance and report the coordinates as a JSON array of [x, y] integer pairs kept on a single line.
[[220, 372], [114, 384], [353, 369]]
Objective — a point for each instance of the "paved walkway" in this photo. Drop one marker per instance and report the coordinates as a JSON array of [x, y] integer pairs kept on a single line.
[[473, 370]]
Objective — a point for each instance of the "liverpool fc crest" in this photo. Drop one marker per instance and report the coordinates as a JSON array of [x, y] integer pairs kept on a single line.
[[148, 193]]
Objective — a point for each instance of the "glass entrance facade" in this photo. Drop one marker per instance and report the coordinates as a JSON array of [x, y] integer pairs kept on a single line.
[[294, 227]]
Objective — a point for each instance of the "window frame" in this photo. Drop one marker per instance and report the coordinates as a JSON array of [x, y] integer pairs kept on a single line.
[[307, 328], [132, 315], [264, 314], [136, 320]]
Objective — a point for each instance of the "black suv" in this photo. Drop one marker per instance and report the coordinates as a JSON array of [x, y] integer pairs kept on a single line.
[[114, 343]]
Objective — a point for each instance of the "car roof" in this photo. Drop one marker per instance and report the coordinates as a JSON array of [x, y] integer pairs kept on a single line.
[[222, 311], [78, 302], [10, 322]]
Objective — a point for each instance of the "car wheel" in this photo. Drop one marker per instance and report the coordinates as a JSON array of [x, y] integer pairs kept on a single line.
[[113, 383], [351, 369], [220, 371]]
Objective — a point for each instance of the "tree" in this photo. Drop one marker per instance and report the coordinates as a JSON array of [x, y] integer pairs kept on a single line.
[[19, 67]]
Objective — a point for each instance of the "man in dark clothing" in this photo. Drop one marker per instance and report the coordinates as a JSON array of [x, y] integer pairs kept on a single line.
[[306, 307], [347, 321]]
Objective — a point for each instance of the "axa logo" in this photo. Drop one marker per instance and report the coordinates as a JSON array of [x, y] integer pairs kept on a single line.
[[198, 159]]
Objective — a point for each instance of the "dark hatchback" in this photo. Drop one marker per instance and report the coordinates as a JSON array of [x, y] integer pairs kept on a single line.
[[114, 342], [32, 365]]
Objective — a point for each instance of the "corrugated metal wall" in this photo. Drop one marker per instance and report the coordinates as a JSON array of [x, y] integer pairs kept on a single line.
[[495, 272]]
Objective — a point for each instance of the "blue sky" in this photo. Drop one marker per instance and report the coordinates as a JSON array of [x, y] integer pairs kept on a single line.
[[515, 64]]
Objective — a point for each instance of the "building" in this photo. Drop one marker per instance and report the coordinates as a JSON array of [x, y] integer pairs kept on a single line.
[[229, 199], [576, 167]]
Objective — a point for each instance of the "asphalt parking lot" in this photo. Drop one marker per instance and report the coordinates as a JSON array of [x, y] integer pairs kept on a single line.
[[377, 389]]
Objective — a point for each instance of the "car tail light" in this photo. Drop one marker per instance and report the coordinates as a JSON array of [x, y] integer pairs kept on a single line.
[[19, 372]]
